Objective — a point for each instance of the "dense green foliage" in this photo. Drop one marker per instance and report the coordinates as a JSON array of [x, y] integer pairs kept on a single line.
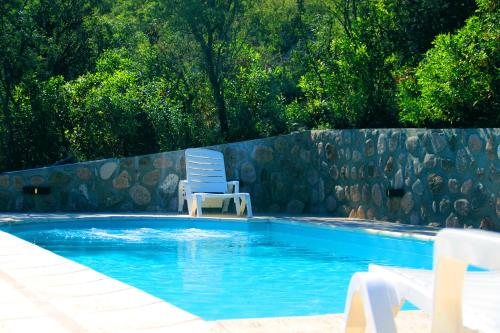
[[458, 81], [100, 78]]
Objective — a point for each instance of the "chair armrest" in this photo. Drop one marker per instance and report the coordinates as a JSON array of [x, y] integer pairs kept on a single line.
[[474, 247], [182, 188], [454, 249], [233, 186]]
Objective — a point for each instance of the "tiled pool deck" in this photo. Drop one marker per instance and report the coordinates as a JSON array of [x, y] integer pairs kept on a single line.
[[43, 292]]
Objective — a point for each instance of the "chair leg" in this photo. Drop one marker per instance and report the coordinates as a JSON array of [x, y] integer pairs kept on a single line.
[[191, 203], [199, 200], [249, 205], [180, 197], [237, 204], [371, 300], [225, 205]]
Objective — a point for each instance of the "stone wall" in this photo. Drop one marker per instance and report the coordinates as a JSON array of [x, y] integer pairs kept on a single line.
[[446, 177]]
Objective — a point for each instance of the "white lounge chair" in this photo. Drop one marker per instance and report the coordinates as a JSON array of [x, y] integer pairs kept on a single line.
[[457, 300], [206, 179]]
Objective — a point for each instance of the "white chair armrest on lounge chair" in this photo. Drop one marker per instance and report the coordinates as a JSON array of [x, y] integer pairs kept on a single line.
[[458, 301], [206, 179]]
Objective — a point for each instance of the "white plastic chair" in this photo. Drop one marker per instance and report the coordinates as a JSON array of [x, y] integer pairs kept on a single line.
[[206, 179], [458, 301]]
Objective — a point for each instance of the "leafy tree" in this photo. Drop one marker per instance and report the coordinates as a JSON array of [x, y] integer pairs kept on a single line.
[[40, 122], [105, 111], [16, 58], [102, 78], [254, 96], [457, 83], [213, 24]]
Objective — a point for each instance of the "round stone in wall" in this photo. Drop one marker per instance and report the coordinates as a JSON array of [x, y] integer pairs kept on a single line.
[[498, 207], [355, 193], [356, 156], [347, 154], [452, 221], [435, 183], [344, 172], [381, 144], [59, 178], [331, 203], [305, 155], [37, 180], [444, 206], [462, 207], [330, 151], [4, 181], [389, 166], [169, 184], [490, 148], [248, 173], [347, 192], [365, 193], [370, 214], [162, 163], [262, 154], [462, 160], [429, 161], [145, 161], [346, 136], [412, 145], [417, 167], [360, 213], [394, 141], [339, 193], [362, 172], [467, 186], [438, 141], [18, 183], [280, 144], [354, 173], [151, 178], [377, 195], [407, 202], [83, 173], [121, 181], [312, 177], [107, 170], [321, 148], [417, 187], [475, 143], [369, 148], [398, 179], [494, 173], [295, 207], [453, 185], [334, 172], [140, 195]]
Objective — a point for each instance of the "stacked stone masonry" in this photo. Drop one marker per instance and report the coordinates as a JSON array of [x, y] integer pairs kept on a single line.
[[448, 177]]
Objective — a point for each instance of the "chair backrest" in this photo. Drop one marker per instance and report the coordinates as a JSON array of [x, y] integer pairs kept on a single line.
[[205, 170]]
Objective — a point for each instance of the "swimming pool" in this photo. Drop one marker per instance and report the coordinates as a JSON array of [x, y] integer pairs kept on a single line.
[[234, 269]]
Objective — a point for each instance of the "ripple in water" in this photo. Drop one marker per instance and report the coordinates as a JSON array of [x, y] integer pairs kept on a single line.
[[136, 235]]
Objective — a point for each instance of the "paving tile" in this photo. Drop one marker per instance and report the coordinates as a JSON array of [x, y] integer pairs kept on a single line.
[[36, 324], [150, 316]]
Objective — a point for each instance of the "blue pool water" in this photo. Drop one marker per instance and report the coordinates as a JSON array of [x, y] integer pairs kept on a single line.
[[221, 270]]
